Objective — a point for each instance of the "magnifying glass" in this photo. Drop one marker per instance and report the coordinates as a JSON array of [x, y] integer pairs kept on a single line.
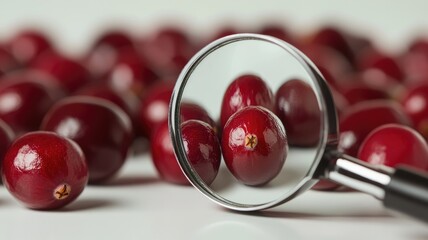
[[204, 81]]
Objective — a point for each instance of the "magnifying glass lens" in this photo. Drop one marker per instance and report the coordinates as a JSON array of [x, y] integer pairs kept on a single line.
[[268, 116]]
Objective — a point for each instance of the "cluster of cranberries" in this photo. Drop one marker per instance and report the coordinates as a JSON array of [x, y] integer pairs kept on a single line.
[[69, 121]]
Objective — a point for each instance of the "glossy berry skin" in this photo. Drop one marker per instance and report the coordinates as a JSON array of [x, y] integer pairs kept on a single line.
[[44, 170], [415, 102], [300, 118], [360, 119], [254, 145], [189, 111], [245, 90], [24, 103], [28, 45], [101, 129], [154, 107], [394, 144], [202, 149], [6, 137], [69, 73]]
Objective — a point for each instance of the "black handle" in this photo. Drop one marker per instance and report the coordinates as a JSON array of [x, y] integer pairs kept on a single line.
[[408, 193]]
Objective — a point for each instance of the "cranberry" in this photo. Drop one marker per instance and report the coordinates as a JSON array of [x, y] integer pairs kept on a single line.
[[394, 144], [360, 119], [101, 129], [154, 107], [300, 118], [376, 61], [190, 111], [415, 102], [70, 74], [325, 185], [254, 145], [44, 170], [202, 149], [414, 62], [130, 73], [244, 91], [276, 30], [103, 52], [163, 156], [7, 61], [359, 92], [6, 137], [24, 103], [27, 45]]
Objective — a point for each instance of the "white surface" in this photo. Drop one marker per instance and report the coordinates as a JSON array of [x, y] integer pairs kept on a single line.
[[137, 205]]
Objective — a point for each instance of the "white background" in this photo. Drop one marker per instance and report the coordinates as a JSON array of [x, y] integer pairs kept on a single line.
[[139, 206]]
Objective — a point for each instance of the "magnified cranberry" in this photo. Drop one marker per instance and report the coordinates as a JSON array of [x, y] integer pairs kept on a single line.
[[202, 149], [154, 107], [245, 90], [131, 73], [24, 103], [103, 53], [44, 170], [27, 45], [415, 102], [360, 119], [190, 111], [101, 129], [254, 145], [394, 144], [300, 118], [70, 74]]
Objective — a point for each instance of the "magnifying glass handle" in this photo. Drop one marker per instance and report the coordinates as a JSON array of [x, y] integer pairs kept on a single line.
[[401, 189]]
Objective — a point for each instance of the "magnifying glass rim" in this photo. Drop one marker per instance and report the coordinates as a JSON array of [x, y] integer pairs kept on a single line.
[[328, 137]]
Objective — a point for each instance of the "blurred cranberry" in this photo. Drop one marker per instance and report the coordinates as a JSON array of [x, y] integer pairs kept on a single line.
[[359, 44], [7, 61], [27, 45], [23, 104], [100, 128], [392, 145], [360, 119], [415, 103], [376, 61], [334, 38], [325, 185], [103, 53], [359, 92], [130, 72], [6, 137], [165, 46], [276, 30], [68, 72], [154, 107], [414, 61], [301, 119]]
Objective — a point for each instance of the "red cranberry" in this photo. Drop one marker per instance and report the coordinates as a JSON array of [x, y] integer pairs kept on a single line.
[[394, 144], [101, 129], [154, 107], [414, 62], [162, 153], [190, 111], [70, 74], [360, 119], [7, 61], [202, 149], [130, 73], [24, 103], [103, 52], [246, 90], [27, 45], [375, 61], [325, 185], [276, 30], [300, 118], [6, 137], [415, 103], [359, 92], [44, 170], [254, 145]]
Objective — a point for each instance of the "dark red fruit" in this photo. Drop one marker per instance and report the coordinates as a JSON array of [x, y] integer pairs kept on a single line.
[[302, 119], [101, 129], [103, 53], [44, 170], [360, 119], [254, 145], [276, 30], [190, 111], [154, 107], [70, 74], [27, 45], [325, 185], [376, 61], [394, 144], [415, 103], [359, 92], [6, 137], [24, 103], [7, 61], [130, 73], [245, 90]]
